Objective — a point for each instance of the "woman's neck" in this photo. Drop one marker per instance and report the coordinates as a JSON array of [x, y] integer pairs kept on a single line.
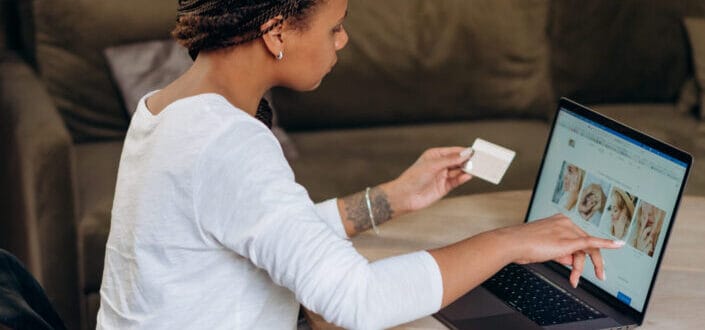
[[241, 75], [238, 74]]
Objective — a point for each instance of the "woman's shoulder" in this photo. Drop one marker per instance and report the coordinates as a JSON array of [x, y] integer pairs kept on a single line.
[[232, 129], [209, 116], [207, 121], [166, 103]]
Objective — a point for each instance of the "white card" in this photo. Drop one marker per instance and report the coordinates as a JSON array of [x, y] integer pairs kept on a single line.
[[489, 161]]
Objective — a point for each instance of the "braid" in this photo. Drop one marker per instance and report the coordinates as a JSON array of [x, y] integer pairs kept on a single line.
[[214, 24], [264, 113]]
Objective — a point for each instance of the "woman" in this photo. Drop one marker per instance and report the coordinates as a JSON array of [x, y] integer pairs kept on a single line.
[[209, 229], [648, 228], [621, 211], [592, 203], [572, 180]]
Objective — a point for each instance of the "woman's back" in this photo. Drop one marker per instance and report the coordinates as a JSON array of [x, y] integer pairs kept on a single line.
[[161, 258]]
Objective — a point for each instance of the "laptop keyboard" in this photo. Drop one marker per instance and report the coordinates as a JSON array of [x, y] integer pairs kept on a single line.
[[538, 299]]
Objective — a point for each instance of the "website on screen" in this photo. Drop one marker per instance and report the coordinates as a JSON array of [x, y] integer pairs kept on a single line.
[[613, 187]]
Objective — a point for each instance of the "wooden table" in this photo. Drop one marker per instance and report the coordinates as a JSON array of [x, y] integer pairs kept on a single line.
[[678, 300]]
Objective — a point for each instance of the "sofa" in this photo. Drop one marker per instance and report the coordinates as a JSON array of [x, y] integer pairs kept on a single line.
[[415, 74]]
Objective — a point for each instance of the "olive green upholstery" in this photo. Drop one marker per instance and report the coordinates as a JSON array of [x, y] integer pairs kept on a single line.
[[416, 74]]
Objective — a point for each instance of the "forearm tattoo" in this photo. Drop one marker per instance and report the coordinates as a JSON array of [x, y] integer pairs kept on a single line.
[[356, 209]]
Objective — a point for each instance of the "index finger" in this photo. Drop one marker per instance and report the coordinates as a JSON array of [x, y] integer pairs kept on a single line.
[[592, 242], [596, 242], [597, 262], [452, 152], [447, 151]]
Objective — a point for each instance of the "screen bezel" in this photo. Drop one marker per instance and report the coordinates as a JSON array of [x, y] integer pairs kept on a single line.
[[649, 141]]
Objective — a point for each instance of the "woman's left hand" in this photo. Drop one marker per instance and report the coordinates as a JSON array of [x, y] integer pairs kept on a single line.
[[432, 176]]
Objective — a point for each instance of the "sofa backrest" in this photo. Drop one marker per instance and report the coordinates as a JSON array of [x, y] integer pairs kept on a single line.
[[431, 60], [407, 60], [70, 37], [606, 51], [401, 67]]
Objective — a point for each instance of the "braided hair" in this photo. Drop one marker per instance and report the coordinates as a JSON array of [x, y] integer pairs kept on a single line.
[[214, 24]]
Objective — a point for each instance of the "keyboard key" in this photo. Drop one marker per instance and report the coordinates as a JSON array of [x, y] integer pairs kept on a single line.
[[539, 300]]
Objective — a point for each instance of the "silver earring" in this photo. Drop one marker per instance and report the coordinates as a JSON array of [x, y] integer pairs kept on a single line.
[[280, 56]]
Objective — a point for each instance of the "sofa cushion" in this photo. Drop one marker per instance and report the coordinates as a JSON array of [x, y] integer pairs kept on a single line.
[[70, 38], [94, 230], [341, 162], [413, 61], [696, 34], [664, 122], [688, 98], [96, 165], [142, 67], [606, 51]]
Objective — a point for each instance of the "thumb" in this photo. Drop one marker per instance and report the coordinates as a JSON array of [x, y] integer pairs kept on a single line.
[[452, 160]]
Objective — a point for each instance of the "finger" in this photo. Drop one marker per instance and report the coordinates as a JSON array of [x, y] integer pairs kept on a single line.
[[454, 173], [436, 153], [596, 242], [467, 153], [455, 182], [579, 232], [559, 216], [591, 242], [598, 263], [445, 151], [578, 264], [452, 160], [566, 260]]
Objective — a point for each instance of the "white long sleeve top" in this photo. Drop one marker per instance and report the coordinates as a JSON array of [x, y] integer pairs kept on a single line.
[[210, 231]]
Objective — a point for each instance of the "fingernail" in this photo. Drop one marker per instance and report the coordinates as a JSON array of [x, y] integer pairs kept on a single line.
[[467, 152], [619, 243], [604, 277]]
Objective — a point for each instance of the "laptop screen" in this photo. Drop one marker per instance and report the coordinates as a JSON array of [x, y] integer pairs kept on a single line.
[[613, 185]]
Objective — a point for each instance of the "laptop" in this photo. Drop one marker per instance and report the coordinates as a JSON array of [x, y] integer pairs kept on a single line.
[[613, 182]]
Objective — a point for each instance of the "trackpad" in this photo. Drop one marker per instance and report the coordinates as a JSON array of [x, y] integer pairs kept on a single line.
[[476, 304], [506, 321]]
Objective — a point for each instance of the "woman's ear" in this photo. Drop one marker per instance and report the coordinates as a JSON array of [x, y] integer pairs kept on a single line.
[[274, 38]]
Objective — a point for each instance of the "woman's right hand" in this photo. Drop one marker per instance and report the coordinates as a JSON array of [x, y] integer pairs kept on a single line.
[[467, 263], [558, 238]]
